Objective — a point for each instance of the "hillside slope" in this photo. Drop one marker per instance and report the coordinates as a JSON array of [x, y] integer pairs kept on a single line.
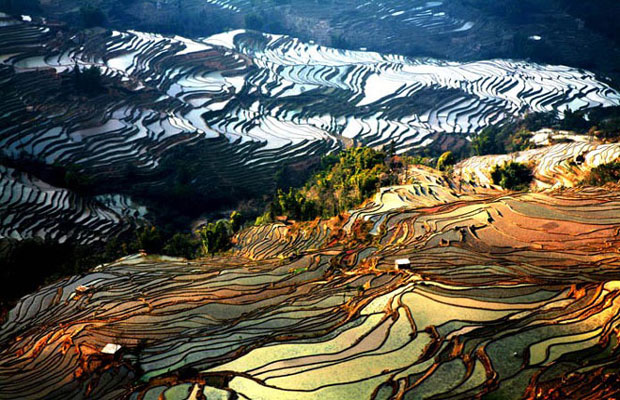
[[567, 32], [558, 166], [508, 295], [207, 122]]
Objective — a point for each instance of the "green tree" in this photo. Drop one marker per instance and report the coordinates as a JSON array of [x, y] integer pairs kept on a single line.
[[445, 161], [487, 142], [215, 236], [604, 173], [182, 245], [574, 121], [236, 221], [150, 239], [512, 176]]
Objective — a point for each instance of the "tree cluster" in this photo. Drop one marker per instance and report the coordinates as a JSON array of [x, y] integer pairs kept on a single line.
[[87, 81], [501, 140], [342, 182], [512, 176], [216, 236], [603, 174]]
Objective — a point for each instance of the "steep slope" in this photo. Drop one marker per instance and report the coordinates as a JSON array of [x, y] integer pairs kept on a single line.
[[557, 166], [510, 295], [565, 32], [30, 208], [231, 110]]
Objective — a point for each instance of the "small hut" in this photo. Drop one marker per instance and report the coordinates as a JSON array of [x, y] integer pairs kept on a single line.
[[402, 263], [111, 348]]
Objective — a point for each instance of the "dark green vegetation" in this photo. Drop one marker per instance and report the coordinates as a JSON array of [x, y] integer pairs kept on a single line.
[[70, 176], [589, 28], [87, 81], [604, 123], [600, 16], [92, 16], [445, 161], [210, 238], [603, 174], [49, 261], [215, 236], [342, 182], [27, 264], [500, 140], [512, 136], [512, 176]]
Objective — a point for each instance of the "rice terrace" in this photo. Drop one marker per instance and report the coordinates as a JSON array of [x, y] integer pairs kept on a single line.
[[309, 199]]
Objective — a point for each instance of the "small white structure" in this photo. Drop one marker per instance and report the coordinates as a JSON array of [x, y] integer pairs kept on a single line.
[[111, 348], [402, 263]]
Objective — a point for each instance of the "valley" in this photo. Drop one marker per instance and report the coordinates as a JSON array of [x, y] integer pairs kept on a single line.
[[241, 106], [309, 199]]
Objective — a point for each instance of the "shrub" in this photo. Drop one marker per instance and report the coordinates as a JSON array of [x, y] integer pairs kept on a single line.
[[236, 221], [150, 239], [604, 173], [182, 245], [512, 176], [445, 161], [215, 236]]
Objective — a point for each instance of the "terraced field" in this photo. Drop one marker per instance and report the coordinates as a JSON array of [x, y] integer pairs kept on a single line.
[[420, 16], [30, 208], [550, 31], [500, 295], [557, 166], [508, 296], [244, 104]]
